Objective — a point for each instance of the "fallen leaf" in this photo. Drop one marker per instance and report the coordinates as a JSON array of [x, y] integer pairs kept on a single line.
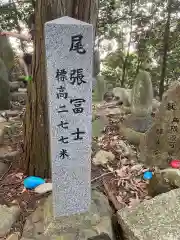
[[134, 202], [19, 175]]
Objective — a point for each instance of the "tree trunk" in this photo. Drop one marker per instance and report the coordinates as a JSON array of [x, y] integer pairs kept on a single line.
[[36, 143], [129, 44], [165, 50]]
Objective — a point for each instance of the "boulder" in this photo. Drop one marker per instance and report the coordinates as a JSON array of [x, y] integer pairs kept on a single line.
[[156, 219], [9, 216], [163, 181], [4, 87], [103, 157], [124, 95], [142, 95], [161, 142]]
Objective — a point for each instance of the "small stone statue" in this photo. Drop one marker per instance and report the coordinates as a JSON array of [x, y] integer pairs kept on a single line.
[[142, 95], [141, 103]]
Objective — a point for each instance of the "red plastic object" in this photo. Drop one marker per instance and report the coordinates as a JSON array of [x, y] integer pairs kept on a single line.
[[175, 163]]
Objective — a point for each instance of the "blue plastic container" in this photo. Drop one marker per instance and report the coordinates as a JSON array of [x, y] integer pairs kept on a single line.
[[32, 182], [147, 175]]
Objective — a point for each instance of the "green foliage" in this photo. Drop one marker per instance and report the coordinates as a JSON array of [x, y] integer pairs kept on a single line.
[[113, 68], [11, 14], [139, 28]]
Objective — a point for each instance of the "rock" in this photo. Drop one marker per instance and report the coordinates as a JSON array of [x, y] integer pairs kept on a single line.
[[3, 168], [90, 224], [158, 185], [164, 181], [124, 95], [95, 223], [156, 219], [108, 96], [19, 96], [142, 95], [161, 142], [43, 188], [14, 86], [14, 236], [23, 90], [9, 216], [5, 88], [103, 157], [155, 105], [172, 176]]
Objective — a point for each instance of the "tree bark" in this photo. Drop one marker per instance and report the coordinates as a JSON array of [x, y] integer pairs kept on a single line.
[[129, 44], [165, 50], [36, 142]]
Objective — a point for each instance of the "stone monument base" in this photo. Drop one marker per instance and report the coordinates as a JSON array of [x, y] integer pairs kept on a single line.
[[94, 224]]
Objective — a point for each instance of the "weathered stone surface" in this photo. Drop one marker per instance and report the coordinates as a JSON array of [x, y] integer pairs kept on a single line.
[[164, 181], [4, 87], [43, 188], [156, 219], [9, 215], [92, 223], [142, 95], [124, 95], [81, 227], [161, 142], [71, 165], [103, 157]]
